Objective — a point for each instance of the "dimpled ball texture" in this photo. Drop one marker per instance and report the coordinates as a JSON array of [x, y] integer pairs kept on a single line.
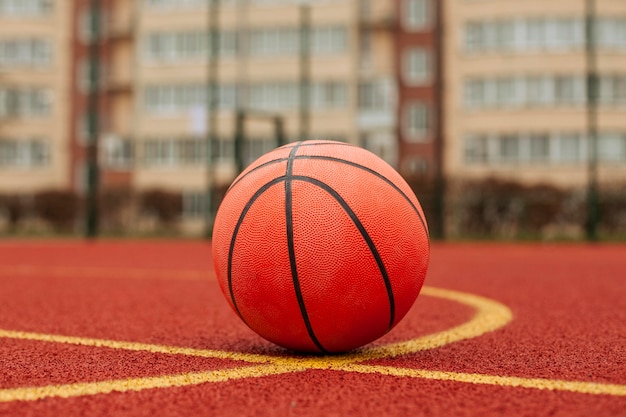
[[320, 246]]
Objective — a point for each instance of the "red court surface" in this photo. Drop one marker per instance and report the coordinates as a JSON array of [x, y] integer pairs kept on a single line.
[[141, 328]]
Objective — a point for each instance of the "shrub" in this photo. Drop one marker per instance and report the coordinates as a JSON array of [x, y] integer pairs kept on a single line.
[[59, 208], [491, 207], [15, 208], [425, 190], [543, 205], [114, 202], [166, 206], [612, 209]]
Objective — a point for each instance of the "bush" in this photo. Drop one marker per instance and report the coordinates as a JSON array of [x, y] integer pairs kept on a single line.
[[15, 208], [166, 206], [114, 203], [425, 190], [491, 207], [543, 205], [58, 208], [612, 209]]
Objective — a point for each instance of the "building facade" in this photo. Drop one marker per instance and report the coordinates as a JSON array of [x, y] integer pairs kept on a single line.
[[34, 95], [455, 89], [515, 96], [349, 69], [418, 73]]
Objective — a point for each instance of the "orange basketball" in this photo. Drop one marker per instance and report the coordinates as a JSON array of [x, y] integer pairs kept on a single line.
[[320, 246]]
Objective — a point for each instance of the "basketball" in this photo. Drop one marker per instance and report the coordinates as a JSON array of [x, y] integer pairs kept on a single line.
[[320, 246]]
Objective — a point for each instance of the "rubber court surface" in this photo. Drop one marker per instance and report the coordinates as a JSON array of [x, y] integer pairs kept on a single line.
[[141, 329]]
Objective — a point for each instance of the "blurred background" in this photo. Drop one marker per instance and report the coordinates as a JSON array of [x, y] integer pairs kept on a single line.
[[132, 117]]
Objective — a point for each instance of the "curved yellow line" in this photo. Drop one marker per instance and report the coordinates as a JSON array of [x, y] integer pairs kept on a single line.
[[490, 315]]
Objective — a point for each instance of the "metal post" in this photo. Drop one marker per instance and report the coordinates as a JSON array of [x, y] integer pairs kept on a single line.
[[439, 189], [305, 69], [279, 127], [240, 119], [212, 108], [92, 214], [592, 121]]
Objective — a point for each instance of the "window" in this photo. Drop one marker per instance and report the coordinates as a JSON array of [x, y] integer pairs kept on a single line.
[[255, 147], [612, 147], [175, 3], [417, 122], [159, 152], [376, 94], [475, 94], [539, 148], [417, 14], [612, 89], [539, 91], [329, 40], [504, 35], [273, 41], [476, 149], [194, 204], [565, 90], [509, 148], [24, 102], [25, 8], [24, 153], [274, 96], [117, 152], [563, 33], [171, 99], [417, 66], [536, 32], [416, 165], [619, 90], [328, 95], [25, 53], [475, 36], [173, 47], [570, 148], [505, 92]]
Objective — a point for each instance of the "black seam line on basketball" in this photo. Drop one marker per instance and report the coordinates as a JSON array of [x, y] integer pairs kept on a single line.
[[264, 164], [289, 146], [343, 161], [377, 174], [364, 234], [292, 250], [231, 248]]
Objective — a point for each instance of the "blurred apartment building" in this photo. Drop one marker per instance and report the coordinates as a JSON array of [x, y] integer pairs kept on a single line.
[[486, 87], [35, 85], [515, 90], [370, 70]]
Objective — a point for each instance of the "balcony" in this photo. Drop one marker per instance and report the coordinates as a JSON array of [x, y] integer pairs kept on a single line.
[[377, 15], [376, 119], [378, 23]]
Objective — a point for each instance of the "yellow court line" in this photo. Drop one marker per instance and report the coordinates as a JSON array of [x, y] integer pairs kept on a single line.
[[490, 315], [139, 384], [135, 346], [580, 387]]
